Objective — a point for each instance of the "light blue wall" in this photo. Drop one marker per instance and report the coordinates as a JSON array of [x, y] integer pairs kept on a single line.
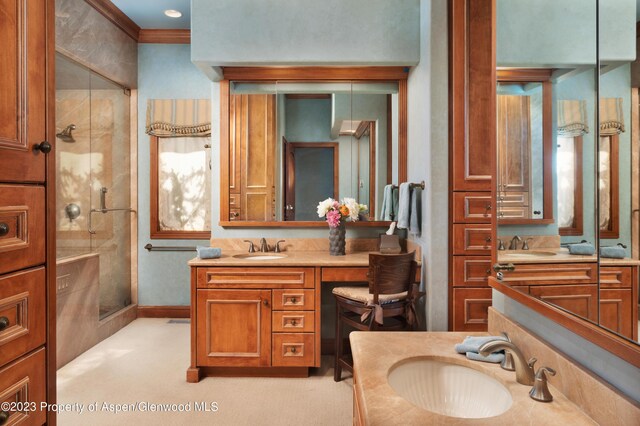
[[557, 33], [165, 71], [305, 32]]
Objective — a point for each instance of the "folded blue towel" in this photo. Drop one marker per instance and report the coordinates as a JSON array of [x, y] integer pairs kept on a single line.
[[404, 206], [387, 212], [208, 252], [584, 249], [495, 357], [615, 252], [473, 343]]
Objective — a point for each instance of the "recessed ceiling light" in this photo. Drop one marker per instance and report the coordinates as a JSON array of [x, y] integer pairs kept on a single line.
[[171, 13]]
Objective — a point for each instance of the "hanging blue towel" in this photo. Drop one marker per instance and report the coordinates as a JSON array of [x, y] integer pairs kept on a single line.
[[415, 220], [387, 213], [208, 252], [615, 252], [404, 206], [584, 249]]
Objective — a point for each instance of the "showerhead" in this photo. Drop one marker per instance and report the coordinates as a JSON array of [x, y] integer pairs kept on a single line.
[[66, 135]]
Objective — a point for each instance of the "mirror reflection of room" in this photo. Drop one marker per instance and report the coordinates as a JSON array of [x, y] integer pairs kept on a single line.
[[293, 144]]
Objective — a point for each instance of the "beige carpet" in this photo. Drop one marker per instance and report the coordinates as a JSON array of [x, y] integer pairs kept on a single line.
[[145, 363]]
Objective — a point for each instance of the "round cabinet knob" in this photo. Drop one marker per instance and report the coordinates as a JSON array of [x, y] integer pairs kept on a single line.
[[4, 229], [294, 300], [44, 147], [4, 416], [265, 302], [293, 350], [488, 239], [4, 323], [294, 322]]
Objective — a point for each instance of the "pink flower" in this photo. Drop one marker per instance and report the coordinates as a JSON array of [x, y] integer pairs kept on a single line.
[[336, 204], [333, 218]]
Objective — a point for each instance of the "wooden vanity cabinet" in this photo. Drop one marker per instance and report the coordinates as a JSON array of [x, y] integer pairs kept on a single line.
[[619, 299], [254, 317]]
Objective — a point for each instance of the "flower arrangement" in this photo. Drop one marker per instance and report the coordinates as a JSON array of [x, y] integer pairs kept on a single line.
[[337, 212]]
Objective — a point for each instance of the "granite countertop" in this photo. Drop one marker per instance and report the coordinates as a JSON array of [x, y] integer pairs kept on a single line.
[[561, 256], [293, 258], [374, 353]]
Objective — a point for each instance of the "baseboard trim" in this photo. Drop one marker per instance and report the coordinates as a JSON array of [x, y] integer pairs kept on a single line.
[[164, 312]]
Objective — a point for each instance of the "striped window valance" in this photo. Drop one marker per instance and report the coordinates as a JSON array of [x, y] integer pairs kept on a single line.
[[572, 118], [178, 117], [611, 116]]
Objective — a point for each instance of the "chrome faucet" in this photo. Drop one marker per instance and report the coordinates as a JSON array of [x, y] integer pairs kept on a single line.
[[524, 370], [514, 243], [264, 247]]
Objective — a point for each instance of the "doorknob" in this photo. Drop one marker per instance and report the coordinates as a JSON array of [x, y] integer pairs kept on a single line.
[[44, 147]]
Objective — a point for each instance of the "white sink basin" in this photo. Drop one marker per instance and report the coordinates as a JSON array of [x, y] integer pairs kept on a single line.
[[530, 254], [254, 256], [449, 389]]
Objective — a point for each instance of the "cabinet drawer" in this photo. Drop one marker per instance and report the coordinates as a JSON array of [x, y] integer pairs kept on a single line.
[[294, 300], [472, 207], [471, 309], [293, 349], [23, 382], [354, 274], [255, 277], [581, 300], [471, 271], [508, 212], [513, 199], [22, 232], [292, 322], [471, 239], [616, 276], [551, 274], [22, 313]]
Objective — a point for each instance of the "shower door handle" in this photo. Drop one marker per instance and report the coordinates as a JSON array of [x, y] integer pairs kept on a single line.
[[44, 147]]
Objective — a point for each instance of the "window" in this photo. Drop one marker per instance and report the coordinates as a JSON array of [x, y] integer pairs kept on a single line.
[[180, 187], [608, 187], [569, 172]]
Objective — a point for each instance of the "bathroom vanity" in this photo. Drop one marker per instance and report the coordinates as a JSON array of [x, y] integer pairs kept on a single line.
[[258, 314]]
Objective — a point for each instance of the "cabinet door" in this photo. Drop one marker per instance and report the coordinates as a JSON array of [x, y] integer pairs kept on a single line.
[[22, 90], [470, 309], [616, 311], [581, 300], [234, 328]]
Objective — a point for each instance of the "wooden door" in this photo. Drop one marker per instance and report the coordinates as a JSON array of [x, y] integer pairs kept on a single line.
[[616, 311], [27, 226], [257, 156], [234, 328], [289, 180], [514, 143], [23, 96]]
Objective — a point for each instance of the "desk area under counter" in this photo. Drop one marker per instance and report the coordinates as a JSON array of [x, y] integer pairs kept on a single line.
[[254, 317]]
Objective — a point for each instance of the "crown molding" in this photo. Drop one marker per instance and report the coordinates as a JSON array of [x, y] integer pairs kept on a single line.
[[116, 16]]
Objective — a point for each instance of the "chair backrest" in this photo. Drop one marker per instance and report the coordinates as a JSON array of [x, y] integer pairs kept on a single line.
[[391, 273]]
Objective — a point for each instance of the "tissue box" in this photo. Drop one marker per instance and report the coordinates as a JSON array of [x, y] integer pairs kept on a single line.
[[390, 244]]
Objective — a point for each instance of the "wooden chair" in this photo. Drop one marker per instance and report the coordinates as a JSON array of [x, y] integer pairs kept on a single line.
[[387, 304]]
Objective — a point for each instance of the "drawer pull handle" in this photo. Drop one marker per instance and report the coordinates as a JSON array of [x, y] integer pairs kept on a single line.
[[488, 271], [488, 239], [4, 416], [293, 349], [4, 323], [44, 147], [487, 207], [265, 302], [4, 229], [499, 267], [294, 300], [294, 322], [234, 215]]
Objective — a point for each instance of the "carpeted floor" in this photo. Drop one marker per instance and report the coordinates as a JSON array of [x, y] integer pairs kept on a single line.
[[145, 364]]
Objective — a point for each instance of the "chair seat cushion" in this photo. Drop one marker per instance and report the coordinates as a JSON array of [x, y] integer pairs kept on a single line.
[[361, 294]]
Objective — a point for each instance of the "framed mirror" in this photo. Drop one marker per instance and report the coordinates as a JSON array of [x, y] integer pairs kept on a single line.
[[292, 137], [561, 272]]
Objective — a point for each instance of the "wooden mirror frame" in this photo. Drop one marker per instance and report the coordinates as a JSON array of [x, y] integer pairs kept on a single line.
[[598, 335], [542, 76], [306, 74]]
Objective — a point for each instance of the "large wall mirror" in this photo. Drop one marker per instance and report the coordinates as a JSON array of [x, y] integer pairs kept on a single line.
[[292, 142], [581, 259]]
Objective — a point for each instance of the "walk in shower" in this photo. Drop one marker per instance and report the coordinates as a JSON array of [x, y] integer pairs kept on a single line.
[[93, 204]]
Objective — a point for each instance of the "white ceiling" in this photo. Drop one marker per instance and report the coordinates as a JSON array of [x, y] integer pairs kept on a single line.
[[149, 14]]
